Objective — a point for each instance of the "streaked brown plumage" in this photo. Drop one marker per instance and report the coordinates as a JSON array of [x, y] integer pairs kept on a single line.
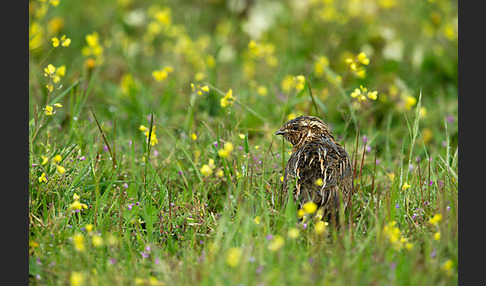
[[315, 154]]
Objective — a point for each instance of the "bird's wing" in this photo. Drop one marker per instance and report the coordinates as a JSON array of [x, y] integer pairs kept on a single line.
[[316, 170]]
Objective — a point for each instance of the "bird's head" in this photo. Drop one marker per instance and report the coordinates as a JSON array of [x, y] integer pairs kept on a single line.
[[303, 129]]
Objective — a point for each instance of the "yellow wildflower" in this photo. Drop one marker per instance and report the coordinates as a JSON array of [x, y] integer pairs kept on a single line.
[[293, 233], [65, 42], [233, 256], [36, 35], [42, 178], [162, 74], [228, 99], [355, 64], [97, 240], [44, 160], [33, 244], [287, 83], [55, 42], [60, 169], [50, 87], [57, 105], [206, 170], [57, 158], [410, 102], [241, 136], [55, 25], [54, 2], [392, 232], [291, 116], [427, 135], [437, 236], [76, 205], [423, 112], [373, 95], [48, 110], [49, 70], [76, 279], [276, 244], [262, 90], [153, 136], [257, 219], [300, 82], [405, 186], [227, 149], [319, 182], [78, 241], [363, 59], [408, 245], [164, 16], [319, 214], [309, 207], [88, 227], [111, 240], [92, 39], [435, 219], [319, 66], [320, 227], [220, 173], [93, 48], [90, 63], [362, 92], [194, 136], [448, 267], [301, 213], [58, 73]]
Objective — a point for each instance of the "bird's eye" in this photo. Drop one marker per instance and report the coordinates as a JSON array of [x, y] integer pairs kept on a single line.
[[295, 127]]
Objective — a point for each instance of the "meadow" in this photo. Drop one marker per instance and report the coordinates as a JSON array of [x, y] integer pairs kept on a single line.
[[153, 159]]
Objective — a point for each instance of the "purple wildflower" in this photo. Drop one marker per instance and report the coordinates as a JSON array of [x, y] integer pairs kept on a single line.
[[450, 118], [259, 269]]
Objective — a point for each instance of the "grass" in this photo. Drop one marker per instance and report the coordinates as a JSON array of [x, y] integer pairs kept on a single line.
[[201, 201]]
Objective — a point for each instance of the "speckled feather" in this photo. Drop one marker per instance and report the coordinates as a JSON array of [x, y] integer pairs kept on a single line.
[[315, 154]]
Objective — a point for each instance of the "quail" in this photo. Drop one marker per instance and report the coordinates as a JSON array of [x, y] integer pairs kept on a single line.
[[319, 169]]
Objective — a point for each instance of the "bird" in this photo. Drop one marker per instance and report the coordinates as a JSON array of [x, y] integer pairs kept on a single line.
[[319, 169]]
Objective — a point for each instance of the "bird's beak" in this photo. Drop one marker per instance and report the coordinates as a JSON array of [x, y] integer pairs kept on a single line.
[[279, 132]]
